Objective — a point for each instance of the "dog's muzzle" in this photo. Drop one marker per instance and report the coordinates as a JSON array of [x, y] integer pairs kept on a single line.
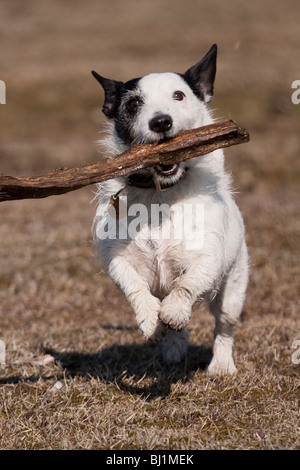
[[160, 177]]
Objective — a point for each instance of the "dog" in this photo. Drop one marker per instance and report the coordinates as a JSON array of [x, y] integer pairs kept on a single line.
[[164, 277]]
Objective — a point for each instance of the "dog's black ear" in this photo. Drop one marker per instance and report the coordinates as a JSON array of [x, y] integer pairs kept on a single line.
[[112, 91], [202, 75]]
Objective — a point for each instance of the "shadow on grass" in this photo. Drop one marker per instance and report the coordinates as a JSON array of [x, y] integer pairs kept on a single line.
[[134, 368]]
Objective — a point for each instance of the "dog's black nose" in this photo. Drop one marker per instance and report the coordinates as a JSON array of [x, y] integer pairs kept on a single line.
[[161, 123]]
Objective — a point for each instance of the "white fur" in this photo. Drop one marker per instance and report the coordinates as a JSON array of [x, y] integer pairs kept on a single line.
[[156, 90], [162, 279]]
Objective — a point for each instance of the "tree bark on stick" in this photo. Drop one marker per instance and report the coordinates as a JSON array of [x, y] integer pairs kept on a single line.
[[186, 145]]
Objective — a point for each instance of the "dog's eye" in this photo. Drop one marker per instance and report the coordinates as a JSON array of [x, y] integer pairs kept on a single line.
[[178, 95], [133, 104]]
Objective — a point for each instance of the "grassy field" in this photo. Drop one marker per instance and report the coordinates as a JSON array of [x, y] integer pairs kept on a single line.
[[104, 386]]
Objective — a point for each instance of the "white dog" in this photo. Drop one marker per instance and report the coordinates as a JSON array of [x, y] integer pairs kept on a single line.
[[163, 273]]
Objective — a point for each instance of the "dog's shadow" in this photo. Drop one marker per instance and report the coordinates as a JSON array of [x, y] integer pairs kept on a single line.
[[134, 368]]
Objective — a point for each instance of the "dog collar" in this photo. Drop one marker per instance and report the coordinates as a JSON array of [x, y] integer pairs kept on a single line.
[[142, 180]]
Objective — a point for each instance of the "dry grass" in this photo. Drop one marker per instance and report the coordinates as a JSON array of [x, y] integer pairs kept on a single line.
[[108, 388]]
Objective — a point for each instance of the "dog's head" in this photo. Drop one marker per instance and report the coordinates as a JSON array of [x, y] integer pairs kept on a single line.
[[158, 106]]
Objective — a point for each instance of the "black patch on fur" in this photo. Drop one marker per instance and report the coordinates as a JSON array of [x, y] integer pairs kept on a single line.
[[112, 90], [201, 76], [123, 120]]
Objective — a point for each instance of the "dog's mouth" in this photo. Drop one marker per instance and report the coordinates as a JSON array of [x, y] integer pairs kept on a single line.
[[161, 176], [170, 171], [167, 170], [166, 176]]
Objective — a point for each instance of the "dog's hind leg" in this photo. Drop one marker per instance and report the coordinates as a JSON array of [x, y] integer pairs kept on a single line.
[[226, 308], [174, 346]]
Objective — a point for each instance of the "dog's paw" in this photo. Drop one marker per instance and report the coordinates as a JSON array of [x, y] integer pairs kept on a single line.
[[222, 362], [219, 367], [158, 333], [175, 310], [148, 320]]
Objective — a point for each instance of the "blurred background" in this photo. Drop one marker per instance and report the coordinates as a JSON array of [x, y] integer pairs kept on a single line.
[[52, 117], [55, 298]]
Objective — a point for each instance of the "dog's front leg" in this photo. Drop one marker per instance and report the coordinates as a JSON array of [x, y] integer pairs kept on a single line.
[[137, 292], [176, 307]]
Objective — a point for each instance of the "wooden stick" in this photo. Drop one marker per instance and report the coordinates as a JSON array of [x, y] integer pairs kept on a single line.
[[186, 145]]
